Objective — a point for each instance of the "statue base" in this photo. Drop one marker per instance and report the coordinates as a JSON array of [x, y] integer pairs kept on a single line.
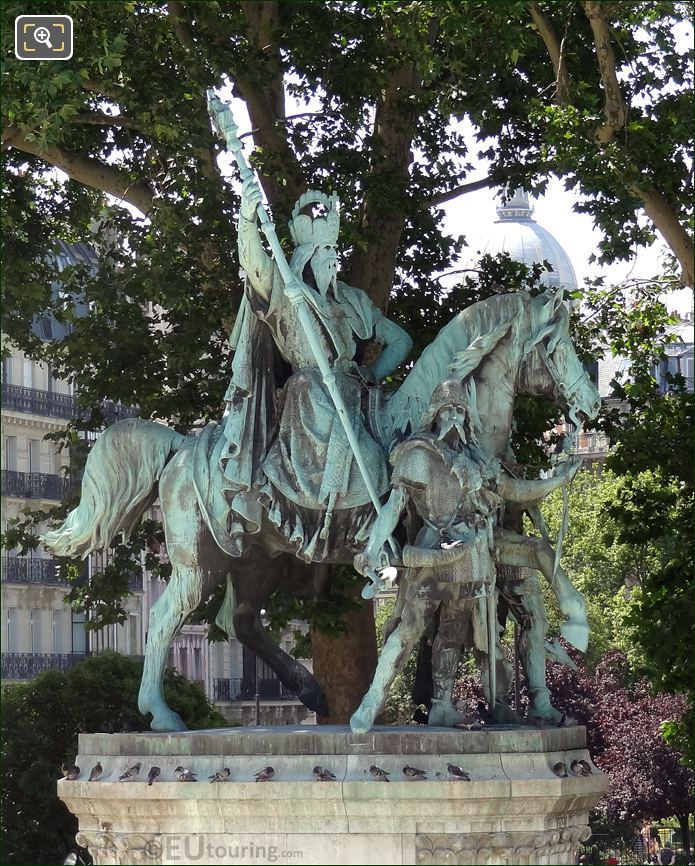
[[514, 809]]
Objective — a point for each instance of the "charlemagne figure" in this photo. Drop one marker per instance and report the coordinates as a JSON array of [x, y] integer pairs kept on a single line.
[[281, 432]]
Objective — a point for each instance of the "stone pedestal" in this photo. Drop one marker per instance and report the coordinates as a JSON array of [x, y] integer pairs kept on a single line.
[[513, 810]]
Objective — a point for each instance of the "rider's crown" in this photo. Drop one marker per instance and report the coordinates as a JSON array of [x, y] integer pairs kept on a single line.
[[307, 229]]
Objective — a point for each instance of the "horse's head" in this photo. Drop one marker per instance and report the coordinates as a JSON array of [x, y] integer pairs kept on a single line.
[[551, 366]]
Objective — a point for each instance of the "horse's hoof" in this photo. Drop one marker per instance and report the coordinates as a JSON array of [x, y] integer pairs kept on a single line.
[[167, 722], [576, 633], [443, 714], [314, 699], [503, 714], [361, 721]]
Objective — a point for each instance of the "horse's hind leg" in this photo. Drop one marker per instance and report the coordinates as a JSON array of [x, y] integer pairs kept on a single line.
[[526, 604], [187, 546], [255, 578], [167, 616]]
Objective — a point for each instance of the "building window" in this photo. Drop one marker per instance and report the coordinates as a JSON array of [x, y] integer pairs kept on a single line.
[[28, 373], [134, 629], [79, 634], [35, 630], [10, 453], [12, 645], [7, 371], [34, 455], [59, 633], [183, 661]]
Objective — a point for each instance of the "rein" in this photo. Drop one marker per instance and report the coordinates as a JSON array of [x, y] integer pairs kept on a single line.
[[567, 392]]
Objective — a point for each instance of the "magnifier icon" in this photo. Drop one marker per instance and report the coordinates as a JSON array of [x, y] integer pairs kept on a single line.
[[43, 37]]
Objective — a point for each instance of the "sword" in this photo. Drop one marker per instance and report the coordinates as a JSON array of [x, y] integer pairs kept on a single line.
[[223, 122]]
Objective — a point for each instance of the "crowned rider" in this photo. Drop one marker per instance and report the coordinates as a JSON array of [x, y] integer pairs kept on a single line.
[[282, 433]]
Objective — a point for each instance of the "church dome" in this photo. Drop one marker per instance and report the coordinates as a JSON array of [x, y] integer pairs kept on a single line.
[[516, 232]]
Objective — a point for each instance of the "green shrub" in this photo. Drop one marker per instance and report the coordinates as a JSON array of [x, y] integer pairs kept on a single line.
[[41, 721]]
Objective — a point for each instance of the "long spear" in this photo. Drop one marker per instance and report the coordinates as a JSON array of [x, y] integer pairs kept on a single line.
[[223, 121]]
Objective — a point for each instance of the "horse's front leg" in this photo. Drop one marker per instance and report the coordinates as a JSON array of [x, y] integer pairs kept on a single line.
[[512, 548], [167, 616]]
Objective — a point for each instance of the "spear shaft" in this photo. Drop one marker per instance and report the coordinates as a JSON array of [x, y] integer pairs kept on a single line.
[[295, 293]]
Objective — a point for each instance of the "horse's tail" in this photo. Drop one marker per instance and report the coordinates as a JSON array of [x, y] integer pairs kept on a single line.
[[118, 486]]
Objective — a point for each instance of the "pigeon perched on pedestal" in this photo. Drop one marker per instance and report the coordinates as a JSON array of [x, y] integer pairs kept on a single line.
[[412, 774], [71, 772], [321, 774], [220, 775], [265, 775], [153, 774], [96, 772], [379, 774], [560, 769], [469, 723], [457, 773], [581, 768], [184, 775], [130, 773]]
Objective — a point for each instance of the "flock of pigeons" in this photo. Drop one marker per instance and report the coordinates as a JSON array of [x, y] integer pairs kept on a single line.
[[321, 774]]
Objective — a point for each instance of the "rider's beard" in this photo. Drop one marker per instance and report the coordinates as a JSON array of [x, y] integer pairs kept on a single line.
[[453, 433], [324, 271]]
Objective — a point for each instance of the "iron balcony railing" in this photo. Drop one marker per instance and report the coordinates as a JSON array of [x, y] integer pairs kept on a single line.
[[37, 402], [34, 485], [52, 405], [238, 689], [24, 666], [20, 569], [45, 572]]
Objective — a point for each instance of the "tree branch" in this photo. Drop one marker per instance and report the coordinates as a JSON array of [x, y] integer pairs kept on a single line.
[[105, 88], [462, 189], [556, 52], [266, 106], [84, 169], [662, 214], [614, 109], [100, 118], [182, 29]]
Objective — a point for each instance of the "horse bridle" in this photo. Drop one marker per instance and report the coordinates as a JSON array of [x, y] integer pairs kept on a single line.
[[568, 392]]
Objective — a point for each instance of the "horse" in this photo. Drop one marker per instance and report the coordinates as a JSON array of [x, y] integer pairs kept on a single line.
[[504, 346]]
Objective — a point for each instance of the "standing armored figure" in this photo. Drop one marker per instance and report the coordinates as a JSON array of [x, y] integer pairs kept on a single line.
[[446, 483], [454, 495]]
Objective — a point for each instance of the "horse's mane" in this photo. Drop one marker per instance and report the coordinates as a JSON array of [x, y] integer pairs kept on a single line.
[[486, 323]]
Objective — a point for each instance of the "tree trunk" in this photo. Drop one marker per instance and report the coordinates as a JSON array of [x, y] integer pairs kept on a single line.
[[685, 831], [345, 663]]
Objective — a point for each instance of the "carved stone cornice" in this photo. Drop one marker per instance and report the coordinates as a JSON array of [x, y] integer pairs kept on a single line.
[[522, 847], [121, 848]]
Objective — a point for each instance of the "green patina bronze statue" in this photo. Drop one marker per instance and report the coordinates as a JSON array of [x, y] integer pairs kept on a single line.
[[298, 471]]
